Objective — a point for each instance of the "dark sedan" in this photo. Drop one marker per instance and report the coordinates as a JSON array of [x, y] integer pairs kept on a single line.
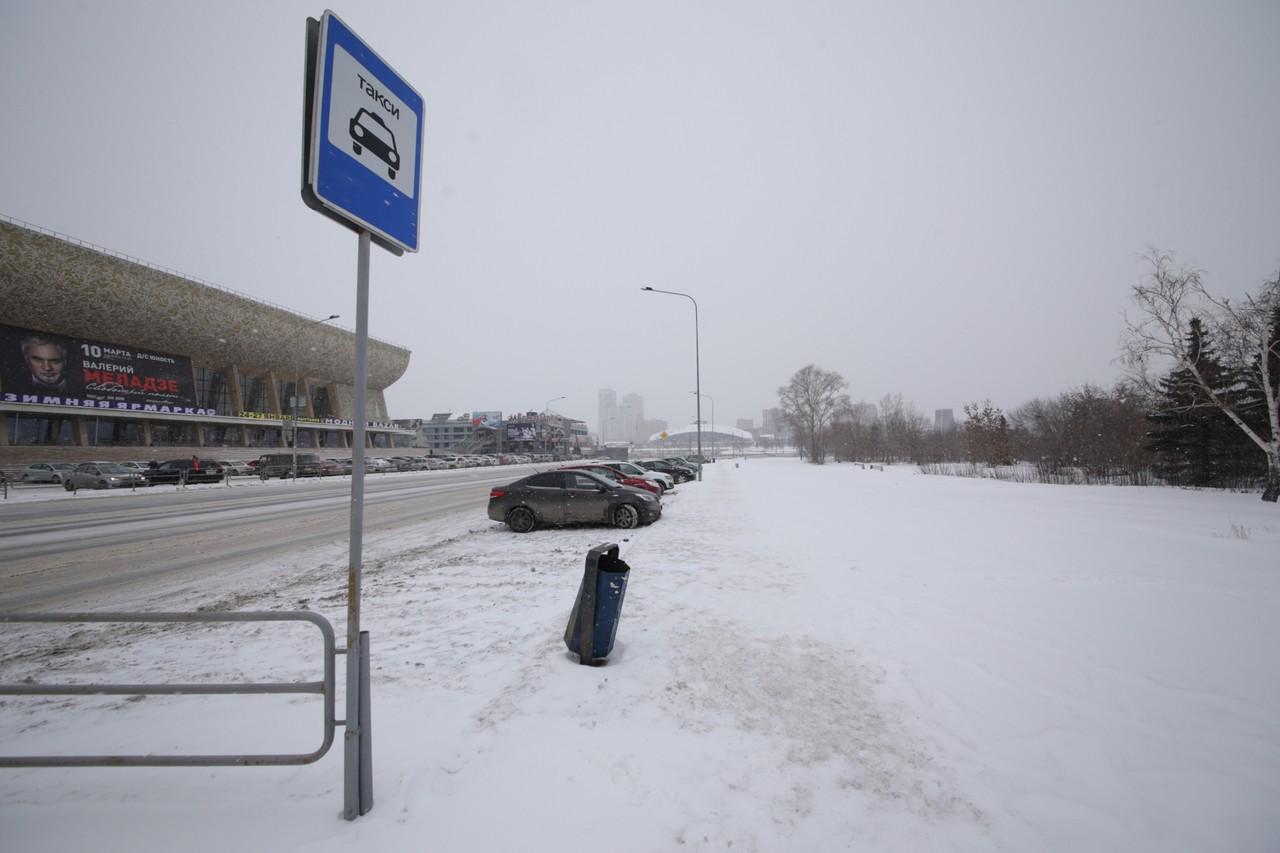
[[679, 473], [571, 497], [184, 471]]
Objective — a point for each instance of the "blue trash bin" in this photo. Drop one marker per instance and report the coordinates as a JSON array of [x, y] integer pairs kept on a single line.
[[598, 606]]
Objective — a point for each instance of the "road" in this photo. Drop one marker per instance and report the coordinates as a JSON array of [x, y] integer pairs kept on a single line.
[[66, 553]]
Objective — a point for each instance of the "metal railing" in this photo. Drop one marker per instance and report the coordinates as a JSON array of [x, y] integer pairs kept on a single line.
[[324, 687]]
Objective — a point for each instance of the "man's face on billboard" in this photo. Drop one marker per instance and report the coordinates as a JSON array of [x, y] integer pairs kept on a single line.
[[45, 361]]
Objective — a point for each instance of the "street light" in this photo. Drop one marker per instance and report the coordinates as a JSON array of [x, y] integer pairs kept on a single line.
[[545, 410], [697, 364], [713, 419], [297, 381]]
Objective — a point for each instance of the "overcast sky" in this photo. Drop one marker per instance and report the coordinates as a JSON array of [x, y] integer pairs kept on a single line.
[[948, 201]]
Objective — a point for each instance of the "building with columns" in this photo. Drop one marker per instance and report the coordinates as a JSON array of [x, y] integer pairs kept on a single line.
[[159, 365]]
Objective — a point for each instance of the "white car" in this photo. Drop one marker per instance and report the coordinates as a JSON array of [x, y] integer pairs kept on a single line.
[[663, 479], [47, 472]]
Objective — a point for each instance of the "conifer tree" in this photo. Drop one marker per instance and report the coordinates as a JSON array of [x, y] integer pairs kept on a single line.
[[1245, 329], [1192, 441]]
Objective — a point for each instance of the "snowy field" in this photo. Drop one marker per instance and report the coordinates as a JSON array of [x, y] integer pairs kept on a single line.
[[809, 659]]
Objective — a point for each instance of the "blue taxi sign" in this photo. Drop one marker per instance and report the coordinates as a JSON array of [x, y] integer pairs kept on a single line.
[[364, 147]]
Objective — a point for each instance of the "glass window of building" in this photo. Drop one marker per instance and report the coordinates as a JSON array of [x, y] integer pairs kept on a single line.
[[330, 438], [39, 429], [172, 434], [265, 437], [253, 394], [320, 401], [113, 432], [212, 391], [284, 388], [221, 435]]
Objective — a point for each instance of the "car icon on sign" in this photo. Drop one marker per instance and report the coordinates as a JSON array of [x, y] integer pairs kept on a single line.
[[368, 130]]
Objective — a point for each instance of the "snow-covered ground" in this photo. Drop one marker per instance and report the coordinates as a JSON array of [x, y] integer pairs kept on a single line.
[[809, 658]]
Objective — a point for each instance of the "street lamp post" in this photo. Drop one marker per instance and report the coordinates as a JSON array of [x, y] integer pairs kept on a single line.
[[545, 410], [297, 381], [713, 420], [697, 364]]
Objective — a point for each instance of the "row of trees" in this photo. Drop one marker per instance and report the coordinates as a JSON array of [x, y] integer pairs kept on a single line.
[[1210, 418]]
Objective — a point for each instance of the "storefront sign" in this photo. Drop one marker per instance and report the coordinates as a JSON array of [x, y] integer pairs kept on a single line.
[[321, 421], [55, 370]]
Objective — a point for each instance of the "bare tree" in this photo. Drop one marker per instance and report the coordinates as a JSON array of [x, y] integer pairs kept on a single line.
[[1248, 337], [811, 401], [904, 428], [1088, 427]]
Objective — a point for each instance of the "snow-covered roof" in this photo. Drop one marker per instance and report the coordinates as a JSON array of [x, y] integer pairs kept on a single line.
[[707, 429]]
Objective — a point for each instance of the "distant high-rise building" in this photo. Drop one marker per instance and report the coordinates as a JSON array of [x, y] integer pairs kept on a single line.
[[631, 415], [608, 414], [944, 419], [774, 422]]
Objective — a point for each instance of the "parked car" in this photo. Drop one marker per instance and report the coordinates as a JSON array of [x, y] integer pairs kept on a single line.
[[46, 472], [570, 497], [686, 462], [377, 465], [281, 465], [400, 463], [679, 473], [174, 471], [342, 466], [102, 475], [610, 474], [236, 469], [636, 471]]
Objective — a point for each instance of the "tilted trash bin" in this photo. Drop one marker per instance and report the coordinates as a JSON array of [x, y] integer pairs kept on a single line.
[[593, 622]]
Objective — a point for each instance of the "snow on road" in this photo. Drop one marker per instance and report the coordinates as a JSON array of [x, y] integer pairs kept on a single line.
[[809, 658]]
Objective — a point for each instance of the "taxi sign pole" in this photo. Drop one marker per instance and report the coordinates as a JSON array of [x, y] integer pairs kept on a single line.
[[361, 161], [358, 751]]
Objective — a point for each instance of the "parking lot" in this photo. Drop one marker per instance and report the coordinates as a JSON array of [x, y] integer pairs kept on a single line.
[[70, 548]]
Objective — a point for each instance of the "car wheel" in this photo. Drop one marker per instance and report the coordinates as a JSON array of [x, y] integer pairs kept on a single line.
[[70, 487], [626, 517], [57, 478], [26, 478], [521, 519], [102, 484]]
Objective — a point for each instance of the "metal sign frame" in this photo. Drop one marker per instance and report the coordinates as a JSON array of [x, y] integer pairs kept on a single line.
[[334, 181]]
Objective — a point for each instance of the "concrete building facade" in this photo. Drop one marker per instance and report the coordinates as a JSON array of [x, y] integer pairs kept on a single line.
[[234, 367]]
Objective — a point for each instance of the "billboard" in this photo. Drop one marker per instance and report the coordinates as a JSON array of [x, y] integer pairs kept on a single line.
[[522, 432], [55, 370]]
